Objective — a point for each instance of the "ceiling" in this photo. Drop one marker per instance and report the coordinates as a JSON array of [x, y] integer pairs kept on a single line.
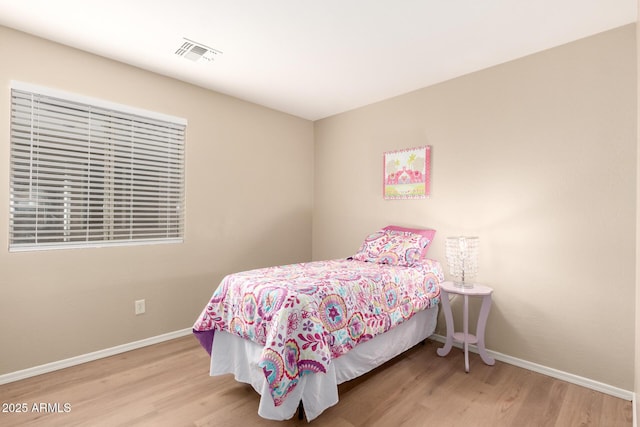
[[314, 59]]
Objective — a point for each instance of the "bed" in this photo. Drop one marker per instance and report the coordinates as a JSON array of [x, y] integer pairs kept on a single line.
[[295, 332]]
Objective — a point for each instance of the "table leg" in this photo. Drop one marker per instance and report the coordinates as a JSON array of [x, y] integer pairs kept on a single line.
[[482, 323], [448, 317], [465, 331]]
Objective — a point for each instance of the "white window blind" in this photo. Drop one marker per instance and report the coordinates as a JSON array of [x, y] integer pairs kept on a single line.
[[90, 175]]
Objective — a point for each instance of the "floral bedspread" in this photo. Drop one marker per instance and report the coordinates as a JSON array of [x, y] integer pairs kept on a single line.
[[306, 314]]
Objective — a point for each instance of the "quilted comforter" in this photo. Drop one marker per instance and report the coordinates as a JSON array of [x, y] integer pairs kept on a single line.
[[306, 314]]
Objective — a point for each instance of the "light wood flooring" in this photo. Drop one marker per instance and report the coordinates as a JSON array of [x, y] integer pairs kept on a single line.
[[168, 384]]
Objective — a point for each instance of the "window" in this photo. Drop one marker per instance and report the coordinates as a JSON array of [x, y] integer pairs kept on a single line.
[[89, 173]]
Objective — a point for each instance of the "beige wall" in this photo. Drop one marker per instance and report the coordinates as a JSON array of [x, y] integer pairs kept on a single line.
[[249, 176], [537, 157]]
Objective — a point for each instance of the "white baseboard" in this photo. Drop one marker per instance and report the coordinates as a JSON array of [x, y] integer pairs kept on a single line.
[[561, 375], [77, 360]]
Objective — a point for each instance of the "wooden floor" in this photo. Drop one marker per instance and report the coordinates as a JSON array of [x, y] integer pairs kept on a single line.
[[168, 385]]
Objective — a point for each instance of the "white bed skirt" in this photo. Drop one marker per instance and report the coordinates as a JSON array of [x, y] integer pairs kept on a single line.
[[233, 355]]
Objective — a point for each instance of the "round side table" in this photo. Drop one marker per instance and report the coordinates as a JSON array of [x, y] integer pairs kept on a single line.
[[464, 337]]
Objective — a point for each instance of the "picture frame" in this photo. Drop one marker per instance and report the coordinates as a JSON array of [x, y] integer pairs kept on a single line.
[[407, 173]]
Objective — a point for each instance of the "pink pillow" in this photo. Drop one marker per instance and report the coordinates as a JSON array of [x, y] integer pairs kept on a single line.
[[396, 246], [428, 233]]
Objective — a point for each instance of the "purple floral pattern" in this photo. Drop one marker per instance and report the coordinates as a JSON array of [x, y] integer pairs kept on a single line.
[[393, 247], [307, 314]]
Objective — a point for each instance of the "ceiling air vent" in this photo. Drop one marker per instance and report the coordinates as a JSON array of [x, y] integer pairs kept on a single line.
[[196, 52]]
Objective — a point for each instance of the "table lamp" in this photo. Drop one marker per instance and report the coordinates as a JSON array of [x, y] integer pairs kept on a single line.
[[462, 258]]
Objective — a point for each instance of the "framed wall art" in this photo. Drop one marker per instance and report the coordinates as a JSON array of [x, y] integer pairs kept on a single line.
[[407, 173]]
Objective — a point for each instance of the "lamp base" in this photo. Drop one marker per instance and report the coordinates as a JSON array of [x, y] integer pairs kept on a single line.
[[463, 285]]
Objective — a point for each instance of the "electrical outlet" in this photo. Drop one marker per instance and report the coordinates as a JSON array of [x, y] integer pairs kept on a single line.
[[140, 306]]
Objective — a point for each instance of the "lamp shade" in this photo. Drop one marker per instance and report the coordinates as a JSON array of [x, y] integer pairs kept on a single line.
[[462, 257]]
